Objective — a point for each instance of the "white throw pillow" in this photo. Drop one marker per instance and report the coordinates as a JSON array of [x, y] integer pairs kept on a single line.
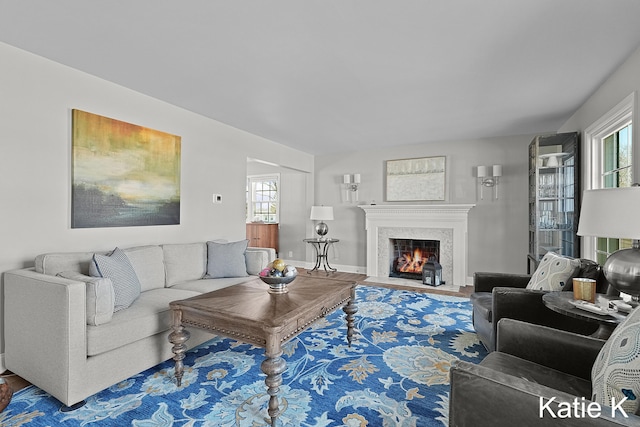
[[117, 267], [100, 297], [616, 372], [553, 272]]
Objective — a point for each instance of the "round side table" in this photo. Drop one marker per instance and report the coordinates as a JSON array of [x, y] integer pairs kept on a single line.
[[321, 247], [560, 302]]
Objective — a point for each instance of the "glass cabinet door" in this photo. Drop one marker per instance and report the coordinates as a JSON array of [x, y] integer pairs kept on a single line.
[[554, 193]]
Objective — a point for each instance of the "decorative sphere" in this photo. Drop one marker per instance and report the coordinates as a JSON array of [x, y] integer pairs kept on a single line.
[[279, 264], [322, 229], [290, 271], [265, 272]]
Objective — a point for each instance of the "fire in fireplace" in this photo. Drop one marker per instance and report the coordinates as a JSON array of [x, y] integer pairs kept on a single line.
[[410, 255]]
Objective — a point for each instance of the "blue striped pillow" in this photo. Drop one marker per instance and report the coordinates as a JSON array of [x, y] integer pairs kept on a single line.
[[117, 267]]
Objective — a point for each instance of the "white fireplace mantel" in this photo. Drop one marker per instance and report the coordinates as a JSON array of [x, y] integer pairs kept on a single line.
[[445, 221]]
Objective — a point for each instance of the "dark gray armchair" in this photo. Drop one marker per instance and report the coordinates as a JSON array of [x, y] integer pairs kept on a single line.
[[534, 365], [503, 295]]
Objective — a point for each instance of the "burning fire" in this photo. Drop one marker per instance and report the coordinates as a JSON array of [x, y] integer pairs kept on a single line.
[[412, 263]]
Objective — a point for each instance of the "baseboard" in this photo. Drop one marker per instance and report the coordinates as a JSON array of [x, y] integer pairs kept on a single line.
[[348, 268]]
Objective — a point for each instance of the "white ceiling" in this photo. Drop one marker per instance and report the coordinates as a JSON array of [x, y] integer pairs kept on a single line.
[[326, 76]]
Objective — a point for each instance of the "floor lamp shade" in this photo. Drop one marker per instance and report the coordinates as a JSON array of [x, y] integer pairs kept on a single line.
[[615, 213], [321, 213]]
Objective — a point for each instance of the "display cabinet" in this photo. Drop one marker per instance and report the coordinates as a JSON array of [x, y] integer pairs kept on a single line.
[[554, 196]]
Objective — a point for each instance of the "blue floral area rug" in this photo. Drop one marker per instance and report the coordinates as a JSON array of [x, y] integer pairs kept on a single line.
[[396, 373]]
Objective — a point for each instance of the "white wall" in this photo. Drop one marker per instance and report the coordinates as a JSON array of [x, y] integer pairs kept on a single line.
[[36, 98], [621, 83], [624, 81], [498, 238]]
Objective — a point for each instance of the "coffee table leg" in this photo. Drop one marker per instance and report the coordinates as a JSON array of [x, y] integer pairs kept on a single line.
[[350, 310], [178, 337], [273, 366]]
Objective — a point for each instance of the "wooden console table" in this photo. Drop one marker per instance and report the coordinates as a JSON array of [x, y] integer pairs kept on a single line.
[[248, 313]]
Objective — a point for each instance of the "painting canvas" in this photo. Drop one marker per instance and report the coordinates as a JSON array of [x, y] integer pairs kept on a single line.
[[416, 179], [123, 174]]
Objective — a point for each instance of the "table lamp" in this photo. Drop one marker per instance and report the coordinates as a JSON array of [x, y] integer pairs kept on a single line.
[[615, 213], [321, 213]]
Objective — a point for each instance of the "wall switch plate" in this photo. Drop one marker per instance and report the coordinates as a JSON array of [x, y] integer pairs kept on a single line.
[[217, 198]]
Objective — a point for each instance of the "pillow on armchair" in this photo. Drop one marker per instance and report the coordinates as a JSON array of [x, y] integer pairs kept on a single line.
[[554, 272], [616, 371]]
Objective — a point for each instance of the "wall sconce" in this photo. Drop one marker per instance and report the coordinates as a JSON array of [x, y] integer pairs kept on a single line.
[[351, 183], [491, 180]]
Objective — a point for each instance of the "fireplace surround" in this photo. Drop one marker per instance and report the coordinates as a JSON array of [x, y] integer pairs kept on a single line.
[[445, 223]]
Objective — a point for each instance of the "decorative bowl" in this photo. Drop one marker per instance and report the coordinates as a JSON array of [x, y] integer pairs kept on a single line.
[[278, 285]]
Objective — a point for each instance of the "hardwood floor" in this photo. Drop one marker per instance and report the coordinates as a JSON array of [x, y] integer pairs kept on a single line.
[[17, 383]]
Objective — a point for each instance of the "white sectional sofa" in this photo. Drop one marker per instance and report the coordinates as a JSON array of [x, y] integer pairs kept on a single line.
[[59, 336]]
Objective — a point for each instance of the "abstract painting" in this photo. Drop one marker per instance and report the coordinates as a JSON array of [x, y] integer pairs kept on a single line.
[[123, 175], [416, 179]]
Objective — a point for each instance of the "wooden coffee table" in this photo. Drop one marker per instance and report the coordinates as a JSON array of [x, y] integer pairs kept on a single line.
[[248, 313]]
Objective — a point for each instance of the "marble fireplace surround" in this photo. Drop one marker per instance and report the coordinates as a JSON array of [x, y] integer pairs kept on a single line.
[[445, 223]]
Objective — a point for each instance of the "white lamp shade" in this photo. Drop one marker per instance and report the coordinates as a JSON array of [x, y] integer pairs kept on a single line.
[[497, 170], [482, 171], [610, 212], [356, 178], [321, 213], [346, 179]]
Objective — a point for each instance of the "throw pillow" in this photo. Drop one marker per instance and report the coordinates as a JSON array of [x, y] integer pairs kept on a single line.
[[616, 372], [553, 272], [589, 270], [100, 297], [226, 259], [117, 267]]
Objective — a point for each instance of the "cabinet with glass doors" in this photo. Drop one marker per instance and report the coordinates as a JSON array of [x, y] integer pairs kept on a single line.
[[554, 197]]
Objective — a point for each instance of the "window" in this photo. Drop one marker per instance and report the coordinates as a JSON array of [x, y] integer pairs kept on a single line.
[[263, 201], [616, 172], [616, 165], [611, 152]]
